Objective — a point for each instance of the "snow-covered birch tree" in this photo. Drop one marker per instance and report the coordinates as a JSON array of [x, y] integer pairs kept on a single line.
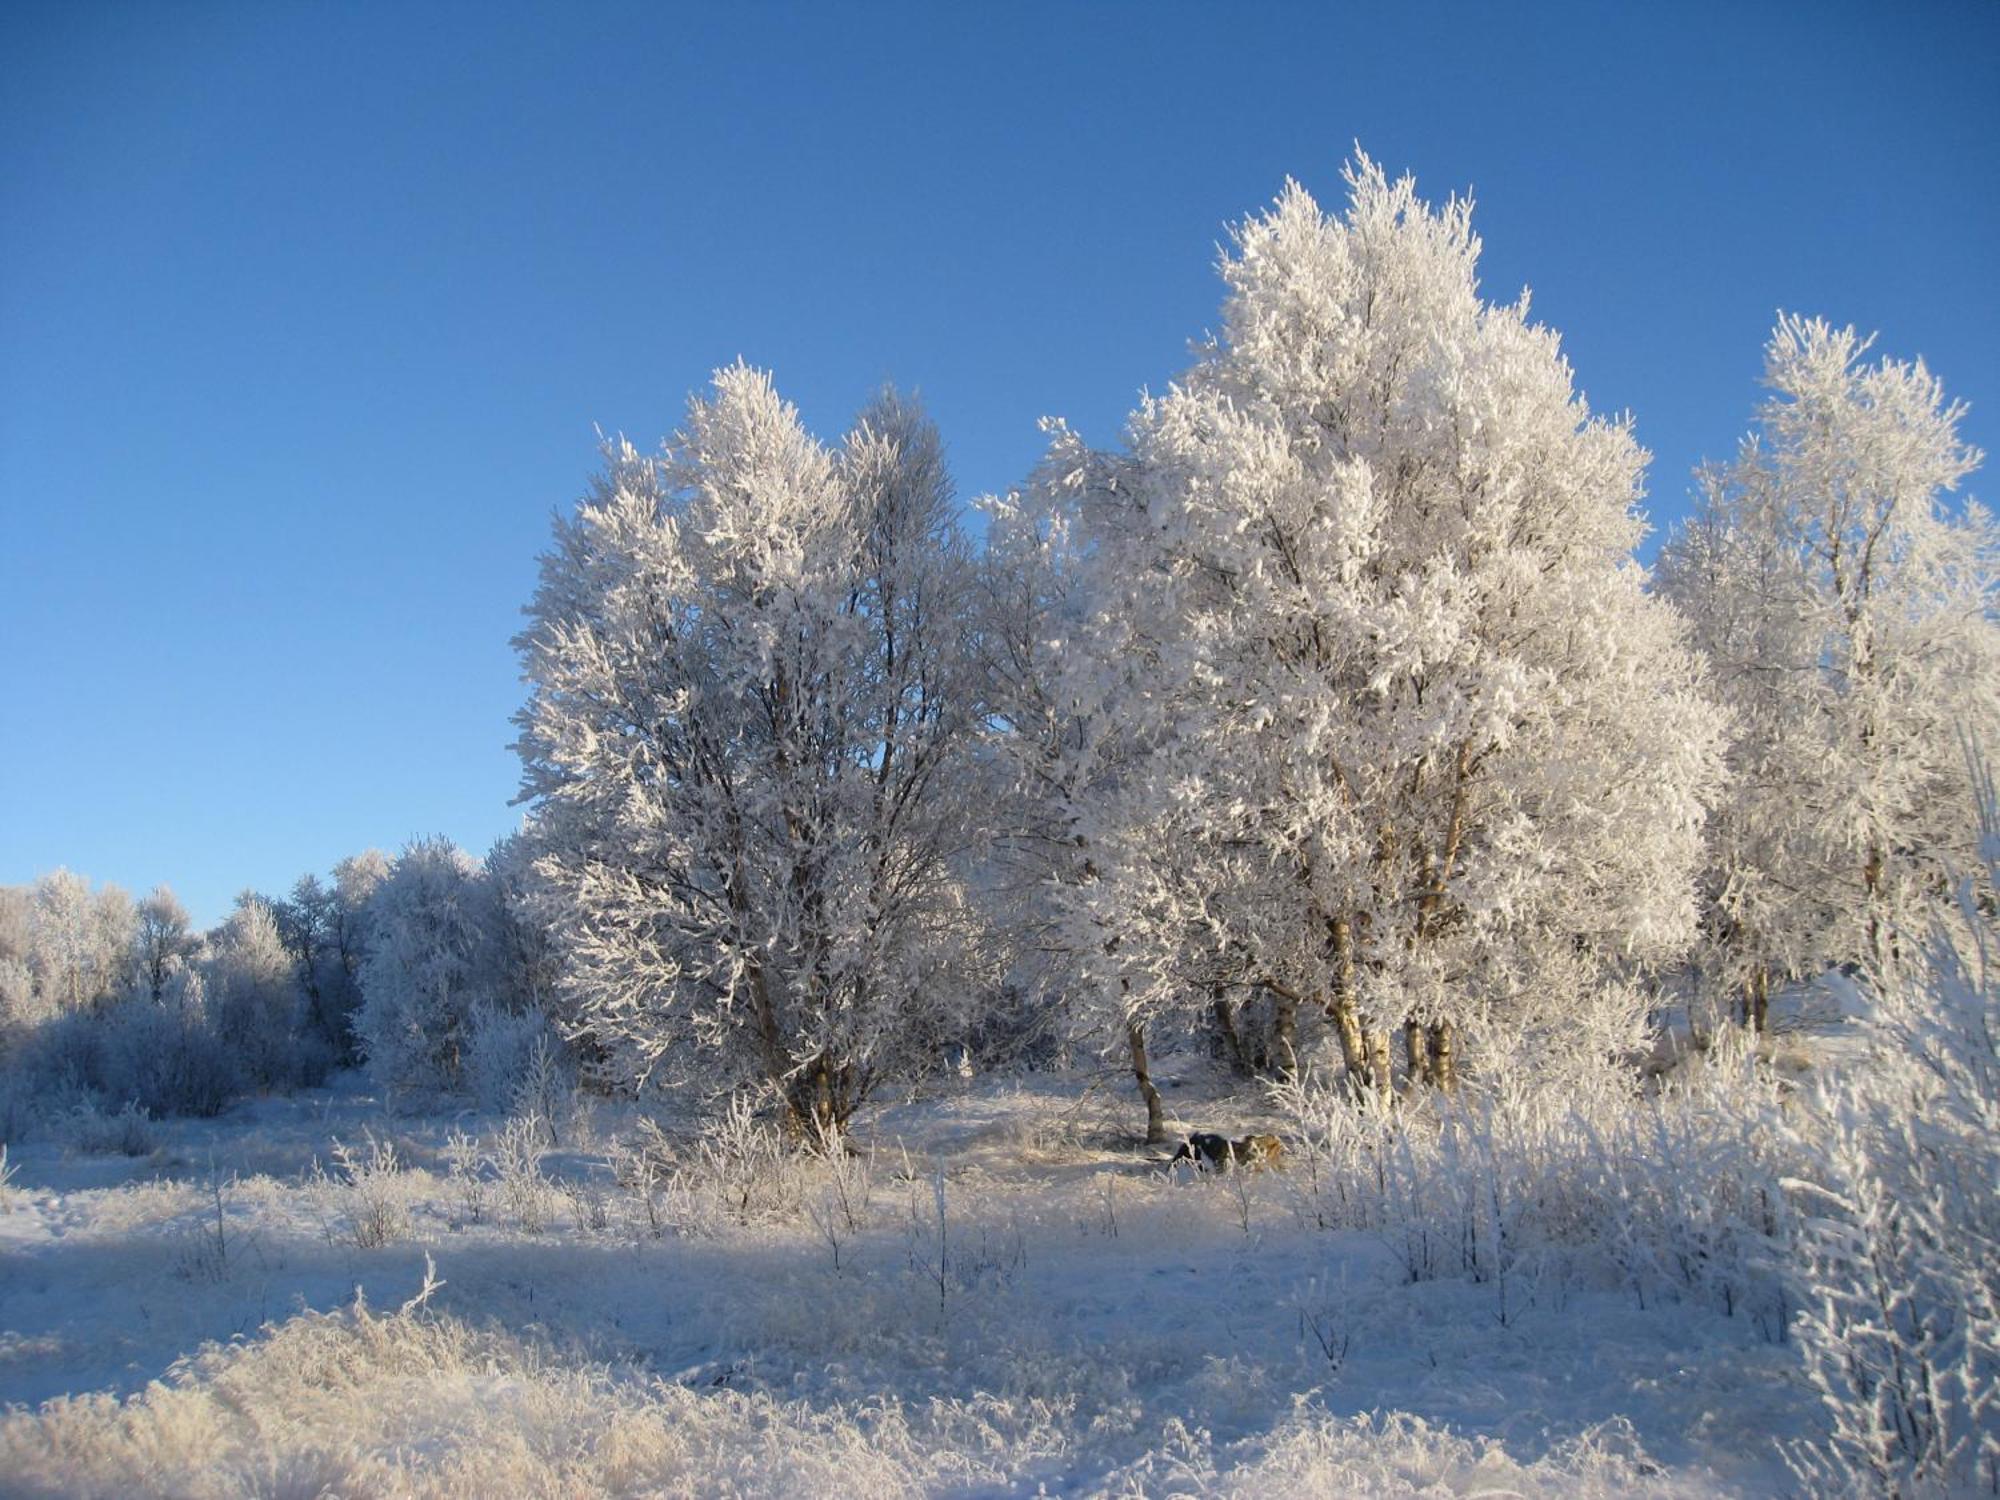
[[253, 995], [162, 940], [1849, 617], [80, 941], [1066, 743], [431, 925], [753, 709], [1414, 747]]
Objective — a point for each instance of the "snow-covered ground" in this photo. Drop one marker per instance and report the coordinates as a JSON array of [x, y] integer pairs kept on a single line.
[[1003, 1294]]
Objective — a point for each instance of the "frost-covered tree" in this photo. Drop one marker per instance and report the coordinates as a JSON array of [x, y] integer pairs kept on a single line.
[[322, 924], [78, 941], [62, 950], [354, 881], [114, 925], [745, 751], [1849, 616], [431, 935], [1047, 747], [527, 963], [1065, 745], [17, 922], [253, 997], [17, 978], [305, 922], [17, 997], [1412, 746], [163, 940]]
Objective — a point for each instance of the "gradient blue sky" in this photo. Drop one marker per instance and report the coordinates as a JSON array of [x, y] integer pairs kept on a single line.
[[308, 312]]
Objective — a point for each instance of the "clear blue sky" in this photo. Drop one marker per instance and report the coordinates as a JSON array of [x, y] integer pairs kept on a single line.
[[308, 312]]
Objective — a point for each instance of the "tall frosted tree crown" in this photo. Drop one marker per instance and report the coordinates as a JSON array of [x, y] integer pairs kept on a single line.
[[1849, 609], [1409, 737], [1362, 338], [747, 748]]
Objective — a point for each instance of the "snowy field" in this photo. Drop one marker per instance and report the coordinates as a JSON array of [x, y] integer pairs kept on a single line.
[[1003, 1293]]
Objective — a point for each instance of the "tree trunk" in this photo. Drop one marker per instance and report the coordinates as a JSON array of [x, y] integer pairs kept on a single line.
[[1380, 1071], [1156, 1114], [1444, 1056], [1232, 1041], [1881, 940], [1285, 1029], [1417, 1052], [819, 1099], [1341, 1010]]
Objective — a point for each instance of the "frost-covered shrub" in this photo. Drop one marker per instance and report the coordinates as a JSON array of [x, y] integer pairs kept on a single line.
[[496, 1053], [128, 1132], [46, 1078], [1397, 1456], [167, 1059], [515, 1063], [368, 1203], [645, 1167], [417, 1403], [19, 1112], [503, 1174], [742, 1169], [547, 1089], [1900, 1328], [1677, 1195], [420, 1403], [526, 1195], [748, 1165], [173, 1057], [63, 1057]]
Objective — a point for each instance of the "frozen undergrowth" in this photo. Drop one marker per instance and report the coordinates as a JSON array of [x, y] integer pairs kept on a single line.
[[408, 1404], [989, 1297]]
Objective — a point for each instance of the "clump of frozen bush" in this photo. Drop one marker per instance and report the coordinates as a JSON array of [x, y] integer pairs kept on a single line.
[[129, 1132], [368, 1202], [1509, 1184], [168, 1057], [741, 1168], [516, 1064], [516, 1155], [498, 1048], [214, 1030], [418, 1402], [1900, 1248], [501, 1176]]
